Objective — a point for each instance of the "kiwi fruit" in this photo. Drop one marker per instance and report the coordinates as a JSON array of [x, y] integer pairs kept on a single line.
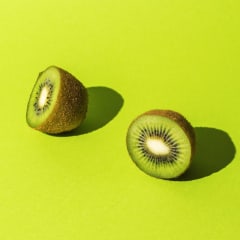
[[58, 102], [161, 143]]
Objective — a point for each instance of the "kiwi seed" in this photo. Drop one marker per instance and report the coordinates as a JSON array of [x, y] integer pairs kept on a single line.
[[58, 102], [161, 143]]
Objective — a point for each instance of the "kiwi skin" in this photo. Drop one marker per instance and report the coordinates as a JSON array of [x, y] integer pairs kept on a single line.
[[181, 121], [70, 108]]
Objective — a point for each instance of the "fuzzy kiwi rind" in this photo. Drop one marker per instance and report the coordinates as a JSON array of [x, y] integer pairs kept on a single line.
[[70, 106], [182, 122]]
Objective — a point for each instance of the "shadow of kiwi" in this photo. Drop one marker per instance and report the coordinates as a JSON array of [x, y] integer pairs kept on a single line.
[[103, 105], [214, 151]]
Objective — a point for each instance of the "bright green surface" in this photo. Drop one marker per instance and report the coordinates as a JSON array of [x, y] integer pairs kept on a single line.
[[181, 55]]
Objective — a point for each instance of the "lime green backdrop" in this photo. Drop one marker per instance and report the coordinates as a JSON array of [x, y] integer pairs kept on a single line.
[[133, 56]]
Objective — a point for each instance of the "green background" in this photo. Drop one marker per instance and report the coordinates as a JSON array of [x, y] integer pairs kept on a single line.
[[133, 56]]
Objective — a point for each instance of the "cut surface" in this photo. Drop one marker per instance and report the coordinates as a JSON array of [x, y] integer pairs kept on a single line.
[[43, 97], [159, 145]]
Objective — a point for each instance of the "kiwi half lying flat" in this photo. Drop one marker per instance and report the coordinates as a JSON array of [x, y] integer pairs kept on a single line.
[[58, 102], [161, 143]]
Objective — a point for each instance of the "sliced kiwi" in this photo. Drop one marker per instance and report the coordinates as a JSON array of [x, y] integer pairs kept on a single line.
[[58, 102], [161, 143]]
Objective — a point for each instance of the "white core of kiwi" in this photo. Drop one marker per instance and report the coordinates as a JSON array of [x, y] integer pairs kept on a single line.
[[157, 146], [43, 97]]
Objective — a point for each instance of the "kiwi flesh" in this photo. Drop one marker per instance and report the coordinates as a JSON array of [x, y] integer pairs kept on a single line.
[[58, 102], [161, 143]]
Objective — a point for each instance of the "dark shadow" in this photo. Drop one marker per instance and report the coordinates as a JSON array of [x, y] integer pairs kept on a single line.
[[214, 151], [103, 105]]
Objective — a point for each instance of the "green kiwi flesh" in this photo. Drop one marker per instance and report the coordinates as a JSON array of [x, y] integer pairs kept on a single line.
[[161, 143], [58, 102]]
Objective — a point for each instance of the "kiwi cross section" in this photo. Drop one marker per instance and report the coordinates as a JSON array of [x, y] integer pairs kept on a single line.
[[43, 97], [161, 143]]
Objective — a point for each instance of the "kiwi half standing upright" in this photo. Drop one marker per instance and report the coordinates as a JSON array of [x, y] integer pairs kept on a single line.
[[161, 143], [58, 102]]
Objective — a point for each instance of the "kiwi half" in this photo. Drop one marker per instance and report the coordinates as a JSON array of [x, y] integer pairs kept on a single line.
[[58, 102], [161, 143]]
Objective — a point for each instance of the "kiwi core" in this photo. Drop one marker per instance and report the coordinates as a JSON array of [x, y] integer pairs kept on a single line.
[[43, 97], [157, 147]]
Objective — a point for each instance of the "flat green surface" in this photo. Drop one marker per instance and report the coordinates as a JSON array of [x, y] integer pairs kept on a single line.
[[133, 56]]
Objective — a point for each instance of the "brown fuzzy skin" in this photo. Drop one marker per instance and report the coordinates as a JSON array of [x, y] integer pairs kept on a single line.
[[70, 108], [182, 122]]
